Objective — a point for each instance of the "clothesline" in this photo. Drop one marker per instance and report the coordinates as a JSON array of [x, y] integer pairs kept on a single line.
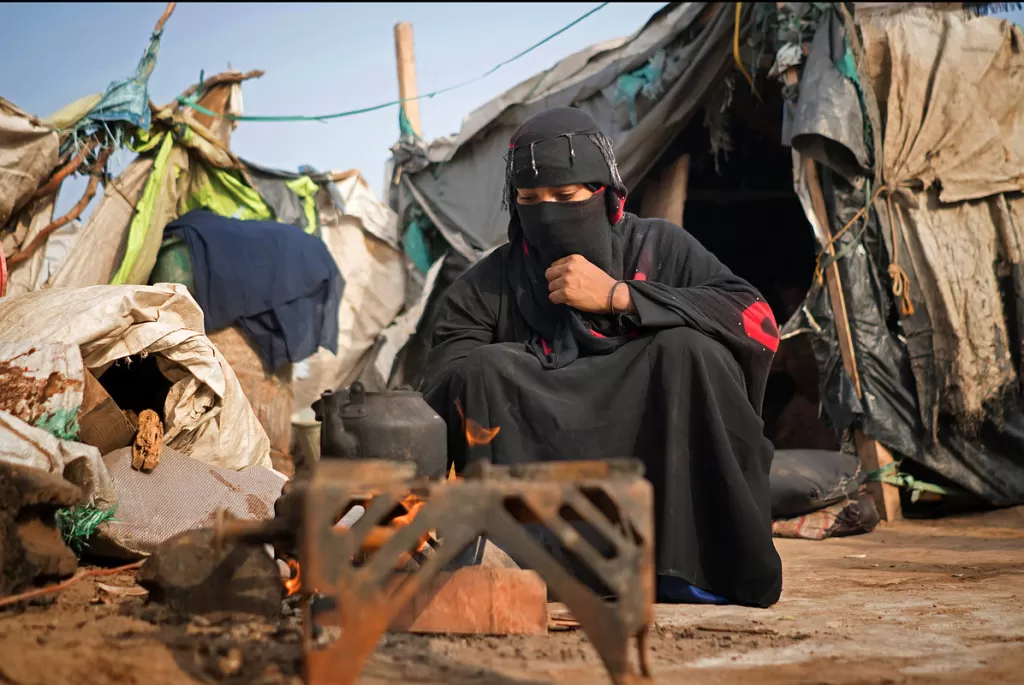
[[192, 101]]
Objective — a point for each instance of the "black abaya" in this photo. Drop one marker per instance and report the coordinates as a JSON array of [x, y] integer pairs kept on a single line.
[[678, 385]]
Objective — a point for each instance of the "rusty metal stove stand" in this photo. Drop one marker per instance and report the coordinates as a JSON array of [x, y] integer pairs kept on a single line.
[[491, 501], [611, 496]]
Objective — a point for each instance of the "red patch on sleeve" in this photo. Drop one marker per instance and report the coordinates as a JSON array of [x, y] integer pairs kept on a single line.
[[620, 211], [759, 325], [526, 248], [639, 276], [597, 334], [544, 346]]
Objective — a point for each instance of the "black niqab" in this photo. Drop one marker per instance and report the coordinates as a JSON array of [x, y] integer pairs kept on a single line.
[[563, 147]]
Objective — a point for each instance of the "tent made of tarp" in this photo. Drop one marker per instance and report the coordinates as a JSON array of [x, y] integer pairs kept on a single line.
[[183, 162], [916, 331]]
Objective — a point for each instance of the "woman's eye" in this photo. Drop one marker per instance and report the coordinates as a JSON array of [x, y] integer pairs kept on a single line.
[[566, 197]]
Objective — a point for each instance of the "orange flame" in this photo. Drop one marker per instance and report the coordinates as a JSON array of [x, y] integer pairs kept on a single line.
[[475, 433], [377, 538], [293, 584]]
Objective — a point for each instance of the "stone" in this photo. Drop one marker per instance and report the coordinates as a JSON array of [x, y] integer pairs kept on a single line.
[[31, 547], [190, 574]]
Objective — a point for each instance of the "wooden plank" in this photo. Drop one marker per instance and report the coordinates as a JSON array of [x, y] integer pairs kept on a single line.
[[873, 455], [832, 281], [666, 197], [406, 59]]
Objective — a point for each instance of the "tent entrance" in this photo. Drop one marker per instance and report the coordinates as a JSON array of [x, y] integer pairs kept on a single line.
[[738, 201]]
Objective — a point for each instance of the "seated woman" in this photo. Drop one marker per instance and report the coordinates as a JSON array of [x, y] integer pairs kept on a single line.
[[596, 334]]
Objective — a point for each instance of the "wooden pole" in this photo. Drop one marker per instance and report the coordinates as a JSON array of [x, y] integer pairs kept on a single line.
[[168, 11], [873, 455], [406, 60], [666, 197]]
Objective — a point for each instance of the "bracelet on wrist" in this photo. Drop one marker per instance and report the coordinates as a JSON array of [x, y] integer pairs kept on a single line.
[[611, 297]]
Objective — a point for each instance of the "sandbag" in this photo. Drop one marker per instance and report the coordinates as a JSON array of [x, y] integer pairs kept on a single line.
[[852, 516], [206, 414], [180, 494], [803, 481]]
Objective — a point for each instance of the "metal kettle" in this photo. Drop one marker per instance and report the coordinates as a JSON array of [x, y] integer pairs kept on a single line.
[[394, 425]]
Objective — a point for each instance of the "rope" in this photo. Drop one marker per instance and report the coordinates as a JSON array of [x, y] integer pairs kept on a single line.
[[829, 247], [900, 279], [191, 102], [736, 52], [890, 475]]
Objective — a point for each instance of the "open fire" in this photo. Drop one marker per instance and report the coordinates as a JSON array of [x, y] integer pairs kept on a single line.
[[293, 584], [377, 538], [476, 435]]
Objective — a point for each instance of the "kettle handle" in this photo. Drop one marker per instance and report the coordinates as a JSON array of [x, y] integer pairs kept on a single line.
[[357, 393]]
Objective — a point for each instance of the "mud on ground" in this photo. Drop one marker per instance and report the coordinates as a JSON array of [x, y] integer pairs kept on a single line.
[[914, 603]]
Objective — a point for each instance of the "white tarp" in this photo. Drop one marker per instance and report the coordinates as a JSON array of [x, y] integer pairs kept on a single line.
[[41, 388], [206, 414], [395, 336], [27, 275], [360, 202], [28, 153], [101, 243], [374, 274], [21, 443]]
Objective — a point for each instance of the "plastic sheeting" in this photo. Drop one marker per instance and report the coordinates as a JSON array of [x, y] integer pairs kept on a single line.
[[206, 414], [375, 278], [952, 89], [828, 125], [30, 274], [41, 389], [42, 383], [984, 461], [24, 444], [102, 241], [462, 196], [155, 208], [939, 383], [28, 153], [887, 410]]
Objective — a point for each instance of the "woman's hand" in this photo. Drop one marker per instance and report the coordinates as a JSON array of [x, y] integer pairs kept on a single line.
[[576, 282]]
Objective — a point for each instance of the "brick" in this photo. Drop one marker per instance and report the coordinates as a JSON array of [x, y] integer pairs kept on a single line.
[[478, 601]]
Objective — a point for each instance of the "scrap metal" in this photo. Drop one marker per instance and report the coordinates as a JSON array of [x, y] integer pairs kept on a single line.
[[368, 591]]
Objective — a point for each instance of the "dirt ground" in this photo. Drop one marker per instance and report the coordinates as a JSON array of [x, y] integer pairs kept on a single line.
[[916, 602]]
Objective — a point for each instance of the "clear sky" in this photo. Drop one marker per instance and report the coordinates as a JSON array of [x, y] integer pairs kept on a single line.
[[318, 59]]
